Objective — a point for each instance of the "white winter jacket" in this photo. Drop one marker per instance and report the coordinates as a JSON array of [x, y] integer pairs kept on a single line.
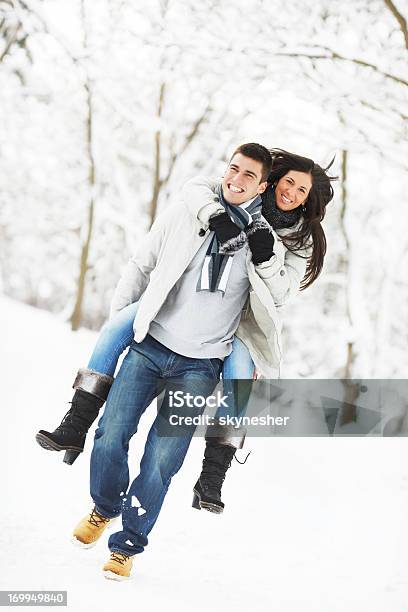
[[165, 252]]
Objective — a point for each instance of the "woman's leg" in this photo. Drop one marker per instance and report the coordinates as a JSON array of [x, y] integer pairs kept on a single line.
[[222, 440], [91, 386], [115, 336], [237, 374], [239, 362]]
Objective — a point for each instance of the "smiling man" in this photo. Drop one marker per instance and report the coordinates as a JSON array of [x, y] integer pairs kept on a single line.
[[191, 279], [245, 178]]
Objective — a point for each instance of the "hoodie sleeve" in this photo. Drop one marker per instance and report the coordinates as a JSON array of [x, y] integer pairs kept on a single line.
[[199, 197]]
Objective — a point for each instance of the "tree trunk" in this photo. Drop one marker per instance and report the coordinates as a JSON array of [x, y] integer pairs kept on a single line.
[[157, 183], [351, 390], [75, 318]]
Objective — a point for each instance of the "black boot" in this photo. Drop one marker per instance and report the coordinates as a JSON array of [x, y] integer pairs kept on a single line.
[[221, 445], [92, 389]]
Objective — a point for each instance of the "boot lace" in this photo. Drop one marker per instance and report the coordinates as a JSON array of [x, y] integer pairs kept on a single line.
[[244, 461], [77, 419], [214, 469], [119, 557], [97, 519], [66, 420]]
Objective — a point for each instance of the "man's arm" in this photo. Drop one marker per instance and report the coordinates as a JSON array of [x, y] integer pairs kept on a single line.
[[282, 273], [200, 199], [136, 275]]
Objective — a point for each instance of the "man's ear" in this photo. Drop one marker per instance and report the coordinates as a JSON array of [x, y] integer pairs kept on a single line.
[[262, 186]]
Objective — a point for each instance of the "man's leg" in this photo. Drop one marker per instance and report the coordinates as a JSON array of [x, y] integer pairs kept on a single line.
[[135, 387], [163, 457]]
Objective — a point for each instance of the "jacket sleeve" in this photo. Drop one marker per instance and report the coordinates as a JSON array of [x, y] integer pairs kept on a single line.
[[136, 274], [199, 197], [283, 272]]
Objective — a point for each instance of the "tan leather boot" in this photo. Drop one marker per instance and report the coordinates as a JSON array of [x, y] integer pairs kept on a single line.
[[89, 529], [118, 567]]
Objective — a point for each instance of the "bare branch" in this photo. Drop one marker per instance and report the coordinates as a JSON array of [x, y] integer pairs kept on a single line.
[[189, 138], [333, 55], [379, 109], [400, 18], [46, 29], [9, 44]]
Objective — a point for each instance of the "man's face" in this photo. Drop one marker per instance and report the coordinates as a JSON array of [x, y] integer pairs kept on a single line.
[[242, 180]]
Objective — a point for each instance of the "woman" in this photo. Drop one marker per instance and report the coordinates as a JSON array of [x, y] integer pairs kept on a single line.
[[294, 206]]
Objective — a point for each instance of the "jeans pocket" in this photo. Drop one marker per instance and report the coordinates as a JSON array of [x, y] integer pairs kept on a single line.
[[216, 366]]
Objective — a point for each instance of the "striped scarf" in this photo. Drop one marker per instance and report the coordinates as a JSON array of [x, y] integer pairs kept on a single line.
[[219, 258]]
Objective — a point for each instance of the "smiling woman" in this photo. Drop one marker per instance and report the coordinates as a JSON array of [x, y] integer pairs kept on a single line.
[[300, 188], [292, 190]]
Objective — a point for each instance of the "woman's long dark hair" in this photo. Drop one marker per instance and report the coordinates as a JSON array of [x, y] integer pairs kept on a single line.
[[313, 209]]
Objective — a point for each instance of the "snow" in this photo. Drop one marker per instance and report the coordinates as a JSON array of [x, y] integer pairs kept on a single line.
[[310, 523]]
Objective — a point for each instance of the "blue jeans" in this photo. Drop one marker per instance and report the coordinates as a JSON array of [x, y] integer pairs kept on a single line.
[[117, 335], [148, 368]]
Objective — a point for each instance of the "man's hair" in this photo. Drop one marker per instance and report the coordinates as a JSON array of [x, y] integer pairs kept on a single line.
[[259, 153]]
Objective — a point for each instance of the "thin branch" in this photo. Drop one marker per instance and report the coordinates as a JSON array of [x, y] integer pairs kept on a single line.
[[189, 138], [9, 44], [378, 109], [46, 30], [400, 18], [332, 55]]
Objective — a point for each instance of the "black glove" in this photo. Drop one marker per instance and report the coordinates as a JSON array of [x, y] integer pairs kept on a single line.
[[224, 228], [261, 244]]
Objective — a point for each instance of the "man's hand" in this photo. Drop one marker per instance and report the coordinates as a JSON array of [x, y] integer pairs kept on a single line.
[[224, 228], [261, 244]]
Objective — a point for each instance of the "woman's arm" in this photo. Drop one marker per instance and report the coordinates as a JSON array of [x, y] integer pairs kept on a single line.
[[283, 272], [200, 199]]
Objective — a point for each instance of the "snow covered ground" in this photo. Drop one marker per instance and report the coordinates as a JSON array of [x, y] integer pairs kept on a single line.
[[310, 523]]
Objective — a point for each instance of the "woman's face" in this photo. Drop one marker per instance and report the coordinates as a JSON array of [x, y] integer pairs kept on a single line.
[[292, 190]]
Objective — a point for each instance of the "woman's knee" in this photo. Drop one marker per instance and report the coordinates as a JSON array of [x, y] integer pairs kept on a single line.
[[239, 363]]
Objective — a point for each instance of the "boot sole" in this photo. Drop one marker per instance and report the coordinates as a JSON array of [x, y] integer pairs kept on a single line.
[[112, 576], [198, 504], [211, 507], [49, 444], [80, 544]]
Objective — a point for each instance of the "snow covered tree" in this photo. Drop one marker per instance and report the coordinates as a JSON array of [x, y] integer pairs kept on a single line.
[[97, 134]]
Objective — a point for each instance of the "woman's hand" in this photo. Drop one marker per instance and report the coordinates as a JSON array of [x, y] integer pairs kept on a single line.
[[261, 244]]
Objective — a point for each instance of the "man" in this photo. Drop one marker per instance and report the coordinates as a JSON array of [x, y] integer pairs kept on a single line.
[[192, 285]]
